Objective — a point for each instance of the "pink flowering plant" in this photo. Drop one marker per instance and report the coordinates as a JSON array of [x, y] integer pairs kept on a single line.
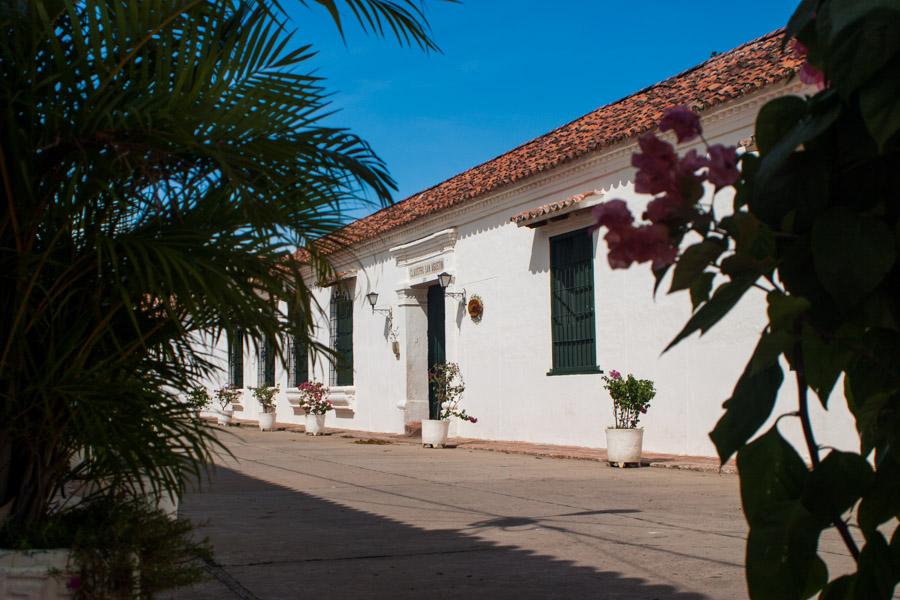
[[631, 398], [313, 398], [449, 386], [227, 396], [814, 224]]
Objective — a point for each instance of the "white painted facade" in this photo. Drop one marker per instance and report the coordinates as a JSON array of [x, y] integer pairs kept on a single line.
[[505, 357]]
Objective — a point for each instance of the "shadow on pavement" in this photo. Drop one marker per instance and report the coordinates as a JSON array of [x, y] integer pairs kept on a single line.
[[275, 542]]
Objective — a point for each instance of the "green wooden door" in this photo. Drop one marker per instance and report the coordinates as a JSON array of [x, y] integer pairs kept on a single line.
[[436, 340]]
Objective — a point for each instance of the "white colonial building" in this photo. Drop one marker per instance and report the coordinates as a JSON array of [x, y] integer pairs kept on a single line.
[[515, 233]]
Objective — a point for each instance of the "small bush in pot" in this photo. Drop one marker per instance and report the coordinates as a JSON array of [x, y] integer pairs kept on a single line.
[[226, 397], [313, 400], [447, 382], [631, 398], [265, 395], [199, 399]]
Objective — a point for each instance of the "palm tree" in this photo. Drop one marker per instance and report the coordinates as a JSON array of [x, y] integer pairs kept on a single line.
[[160, 161]]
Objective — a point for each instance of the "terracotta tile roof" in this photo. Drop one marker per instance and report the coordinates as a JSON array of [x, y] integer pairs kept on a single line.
[[720, 79], [531, 216]]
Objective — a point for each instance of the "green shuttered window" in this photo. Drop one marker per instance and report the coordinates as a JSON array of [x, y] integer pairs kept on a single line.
[[236, 358], [299, 367], [342, 337], [572, 303], [266, 373]]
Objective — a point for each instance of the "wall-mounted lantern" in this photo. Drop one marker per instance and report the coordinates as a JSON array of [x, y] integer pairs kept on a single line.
[[444, 279], [372, 297]]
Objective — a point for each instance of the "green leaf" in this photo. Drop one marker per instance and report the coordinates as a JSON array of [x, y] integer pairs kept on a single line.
[[776, 119], [822, 363], [700, 289], [722, 301], [835, 485], [852, 254], [751, 403], [804, 14], [744, 187], [842, 588], [781, 549], [823, 113], [879, 106], [772, 475], [693, 261], [876, 577], [782, 563], [658, 276], [837, 15], [882, 502], [783, 310], [860, 54]]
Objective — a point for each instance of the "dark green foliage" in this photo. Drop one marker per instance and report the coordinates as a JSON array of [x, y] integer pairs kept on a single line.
[[119, 546], [817, 223], [160, 161]]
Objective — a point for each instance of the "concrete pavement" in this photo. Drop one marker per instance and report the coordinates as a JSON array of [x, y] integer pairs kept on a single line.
[[330, 517]]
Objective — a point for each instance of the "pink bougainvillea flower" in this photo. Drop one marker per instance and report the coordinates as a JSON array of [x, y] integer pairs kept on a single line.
[[652, 243], [618, 241], [656, 164], [662, 208], [615, 374], [628, 245], [683, 121], [473, 420], [808, 74], [690, 163], [723, 169], [613, 214]]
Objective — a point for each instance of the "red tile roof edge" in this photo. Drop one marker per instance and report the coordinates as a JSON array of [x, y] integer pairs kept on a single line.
[[552, 208], [722, 78]]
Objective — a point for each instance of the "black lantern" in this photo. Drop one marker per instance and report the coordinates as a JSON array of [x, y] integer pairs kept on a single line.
[[372, 297], [444, 279]]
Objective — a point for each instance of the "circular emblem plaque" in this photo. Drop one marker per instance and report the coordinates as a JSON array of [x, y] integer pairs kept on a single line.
[[475, 308]]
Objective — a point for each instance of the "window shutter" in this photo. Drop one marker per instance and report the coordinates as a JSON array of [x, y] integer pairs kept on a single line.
[[342, 338], [572, 302], [236, 358], [265, 374], [299, 364]]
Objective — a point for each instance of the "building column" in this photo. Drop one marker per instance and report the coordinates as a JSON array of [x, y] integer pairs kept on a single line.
[[412, 322]]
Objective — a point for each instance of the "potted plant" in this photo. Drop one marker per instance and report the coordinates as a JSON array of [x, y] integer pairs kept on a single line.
[[265, 395], [631, 397], [199, 399], [225, 398], [448, 388], [313, 401]]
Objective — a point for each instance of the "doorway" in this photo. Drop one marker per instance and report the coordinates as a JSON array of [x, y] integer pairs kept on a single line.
[[436, 341]]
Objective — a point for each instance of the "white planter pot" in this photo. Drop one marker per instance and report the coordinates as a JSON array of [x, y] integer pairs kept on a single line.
[[39, 574], [434, 432], [266, 421], [223, 416], [315, 424], [624, 445]]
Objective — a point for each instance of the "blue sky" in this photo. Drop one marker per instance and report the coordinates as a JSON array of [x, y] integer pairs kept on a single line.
[[511, 70]]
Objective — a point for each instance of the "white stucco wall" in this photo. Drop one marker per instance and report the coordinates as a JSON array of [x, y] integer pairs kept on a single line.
[[505, 358]]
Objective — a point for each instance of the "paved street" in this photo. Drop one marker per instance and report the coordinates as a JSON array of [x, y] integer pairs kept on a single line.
[[328, 517]]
